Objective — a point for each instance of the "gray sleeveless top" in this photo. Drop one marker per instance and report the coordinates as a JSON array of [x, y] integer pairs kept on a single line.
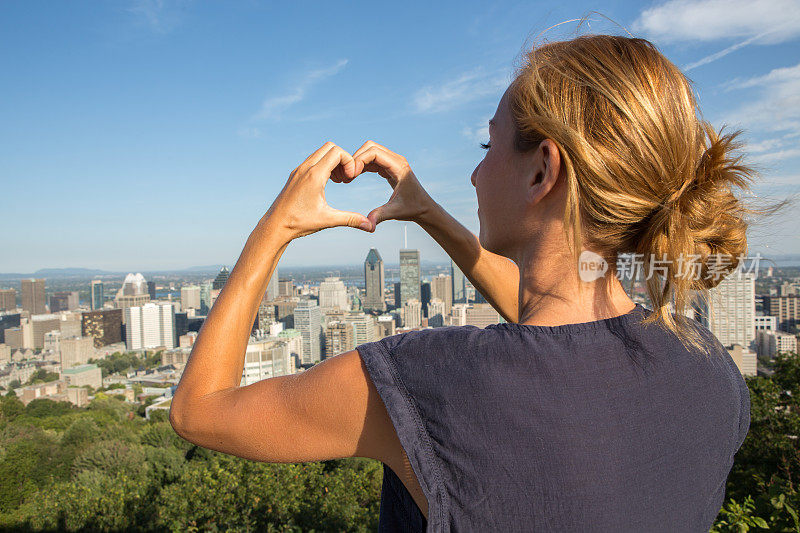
[[608, 425]]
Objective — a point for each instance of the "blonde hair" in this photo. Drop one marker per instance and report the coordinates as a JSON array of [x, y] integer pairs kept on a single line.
[[644, 174]]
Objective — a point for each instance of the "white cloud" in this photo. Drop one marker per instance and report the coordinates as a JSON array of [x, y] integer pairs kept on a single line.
[[779, 155], [771, 21], [776, 107], [272, 106], [466, 88], [722, 53], [772, 113]]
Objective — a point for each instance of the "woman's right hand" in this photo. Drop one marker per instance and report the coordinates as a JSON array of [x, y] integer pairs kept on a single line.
[[409, 200]]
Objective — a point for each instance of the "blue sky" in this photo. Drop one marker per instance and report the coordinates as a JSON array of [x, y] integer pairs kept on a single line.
[[139, 135]]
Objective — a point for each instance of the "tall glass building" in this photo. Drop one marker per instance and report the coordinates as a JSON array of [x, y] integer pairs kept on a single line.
[[409, 276], [97, 297]]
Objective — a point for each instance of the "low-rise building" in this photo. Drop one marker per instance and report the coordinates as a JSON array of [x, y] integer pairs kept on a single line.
[[88, 374]]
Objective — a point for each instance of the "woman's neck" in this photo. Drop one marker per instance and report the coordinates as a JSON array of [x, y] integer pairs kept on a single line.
[[551, 292]]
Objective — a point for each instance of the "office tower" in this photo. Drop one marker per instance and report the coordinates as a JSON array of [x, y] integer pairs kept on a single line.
[[365, 327], [41, 324], [76, 351], [8, 320], [267, 315], [397, 294], [746, 360], [63, 301], [104, 326], [33, 299], [481, 315], [333, 294], [730, 310], [442, 288], [770, 343], [20, 337], [221, 278], [181, 324], [286, 288], [70, 324], [436, 313], [52, 342], [150, 326], [459, 285], [205, 297], [190, 297], [266, 359], [412, 313], [151, 289], [385, 326], [8, 299], [409, 276], [58, 302], [786, 309], [374, 281], [308, 321], [133, 293], [96, 295], [133, 284], [425, 293], [272, 287], [339, 338]]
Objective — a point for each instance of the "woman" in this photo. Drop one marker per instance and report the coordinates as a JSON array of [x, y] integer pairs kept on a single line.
[[584, 410]]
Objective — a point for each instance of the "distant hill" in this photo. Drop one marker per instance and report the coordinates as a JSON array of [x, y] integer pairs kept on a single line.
[[207, 268], [61, 272]]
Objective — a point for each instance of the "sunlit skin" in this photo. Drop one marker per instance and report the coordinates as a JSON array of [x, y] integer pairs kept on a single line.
[[520, 263]]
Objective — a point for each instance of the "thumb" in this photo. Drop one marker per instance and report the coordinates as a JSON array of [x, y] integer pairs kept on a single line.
[[388, 211], [350, 219]]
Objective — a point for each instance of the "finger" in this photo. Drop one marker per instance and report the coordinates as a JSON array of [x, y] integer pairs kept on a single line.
[[382, 159], [331, 160], [387, 211], [360, 168], [335, 217], [317, 155]]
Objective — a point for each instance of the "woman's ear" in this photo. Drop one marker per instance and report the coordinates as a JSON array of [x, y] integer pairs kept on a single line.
[[546, 166]]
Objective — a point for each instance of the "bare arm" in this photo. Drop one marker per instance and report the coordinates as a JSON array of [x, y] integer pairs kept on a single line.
[[494, 276]]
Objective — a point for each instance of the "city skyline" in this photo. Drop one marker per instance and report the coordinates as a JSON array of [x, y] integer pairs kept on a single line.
[[135, 116]]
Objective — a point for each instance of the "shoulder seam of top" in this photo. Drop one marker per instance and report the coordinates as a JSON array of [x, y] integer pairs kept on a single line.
[[429, 451]]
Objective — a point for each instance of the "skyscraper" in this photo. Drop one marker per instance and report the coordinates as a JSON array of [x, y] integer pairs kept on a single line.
[[205, 297], [459, 285], [33, 299], [133, 293], [272, 287], [374, 281], [731, 309], [785, 309], [333, 294], [308, 321], [150, 326], [63, 301], [221, 278], [97, 296], [103, 325], [409, 276], [151, 289], [442, 288], [190, 297], [8, 299]]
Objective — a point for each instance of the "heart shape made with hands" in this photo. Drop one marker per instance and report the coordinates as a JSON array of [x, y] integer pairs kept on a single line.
[[408, 200], [301, 209]]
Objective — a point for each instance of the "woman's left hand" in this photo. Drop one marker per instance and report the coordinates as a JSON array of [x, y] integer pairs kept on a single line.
[[301, 209]]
